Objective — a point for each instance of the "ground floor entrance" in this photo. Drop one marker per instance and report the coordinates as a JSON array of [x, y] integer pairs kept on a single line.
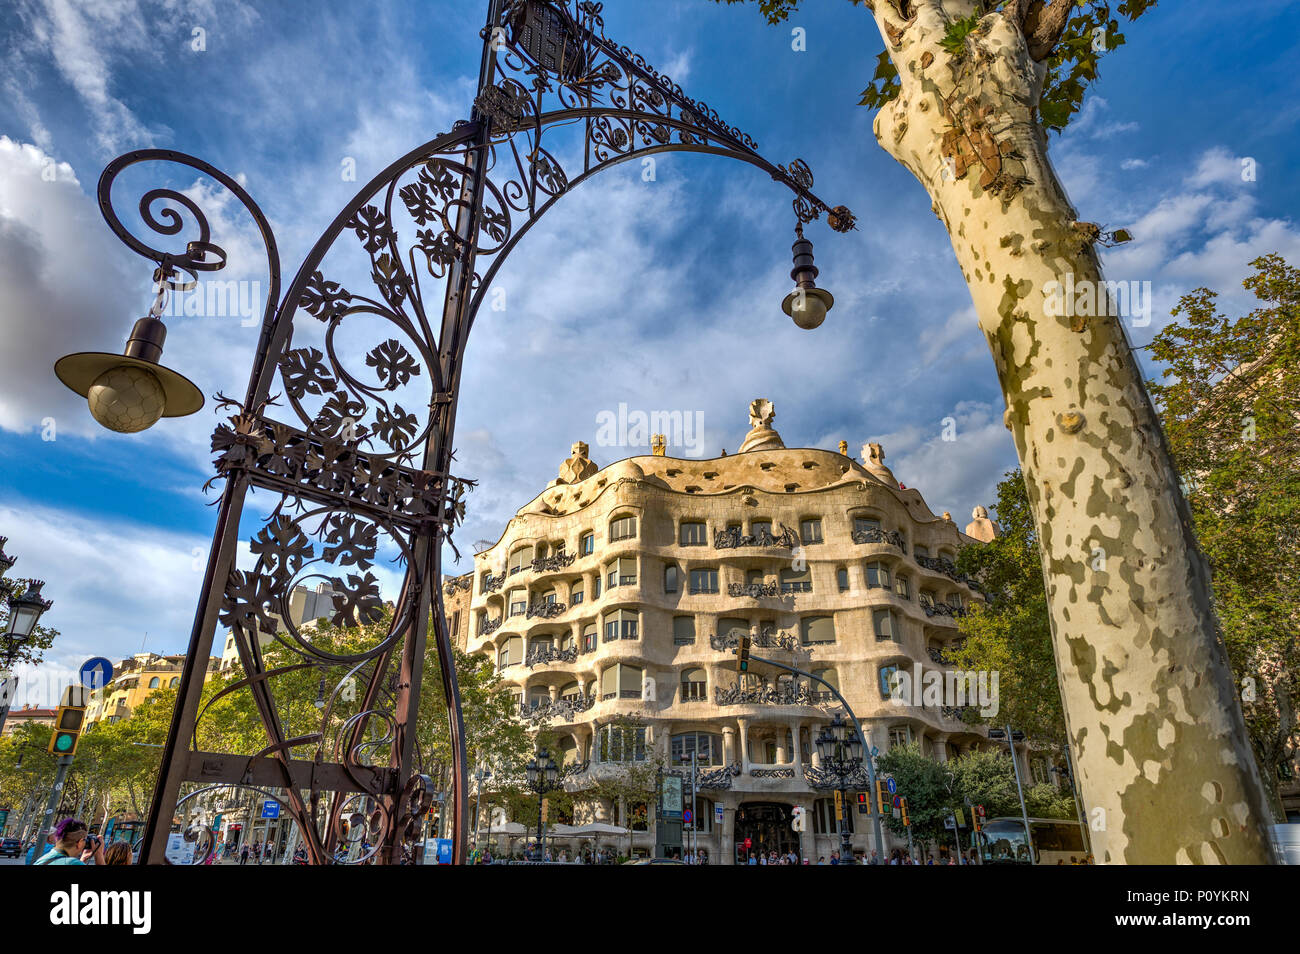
[[766, 825]]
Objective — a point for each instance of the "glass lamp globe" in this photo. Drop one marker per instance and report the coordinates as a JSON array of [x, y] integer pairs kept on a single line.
[[808, 306], [126, 399]]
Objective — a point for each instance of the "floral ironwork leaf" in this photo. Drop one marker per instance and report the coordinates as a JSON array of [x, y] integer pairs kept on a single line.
[[246, 600], [340, 418], [325, 300], [283, 546], [495, 224], [438, 247], [372, 228], [303, 371], [395, 428], [389, 277], [358, 602], [392, 363], [350, 542]]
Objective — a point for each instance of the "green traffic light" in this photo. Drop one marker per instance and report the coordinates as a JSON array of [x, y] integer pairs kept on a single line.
[[64, 741]]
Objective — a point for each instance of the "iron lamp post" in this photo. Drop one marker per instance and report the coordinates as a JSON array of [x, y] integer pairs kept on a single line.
[[543, 777], [840, 748], [25, 612], [807, 304]]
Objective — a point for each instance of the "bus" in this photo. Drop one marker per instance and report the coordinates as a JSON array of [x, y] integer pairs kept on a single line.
[[1003, 841]]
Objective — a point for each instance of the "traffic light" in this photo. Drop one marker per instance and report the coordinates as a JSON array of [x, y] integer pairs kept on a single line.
[[742, 655], [864, 803], [902, 806], [880, 797], [68, 721]]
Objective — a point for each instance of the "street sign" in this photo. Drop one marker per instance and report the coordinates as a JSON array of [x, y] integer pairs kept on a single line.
[[717, 814], [4, 818], [979, 810], [950, 823], [898, 800], [748, 843], [874, 751], [961, 818], [96, 673], [688, 816], [892, 786], [270, 808], [179, 851]]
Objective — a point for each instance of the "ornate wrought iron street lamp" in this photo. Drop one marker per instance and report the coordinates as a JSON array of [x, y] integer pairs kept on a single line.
[[543, 777], [360, 452], [25, 610], [840, 749]]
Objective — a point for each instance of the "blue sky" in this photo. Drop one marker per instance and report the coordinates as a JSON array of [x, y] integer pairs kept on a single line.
[[663, 295]]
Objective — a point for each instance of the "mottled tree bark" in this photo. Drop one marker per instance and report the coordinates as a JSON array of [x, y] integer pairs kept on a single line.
[[1163, 756]]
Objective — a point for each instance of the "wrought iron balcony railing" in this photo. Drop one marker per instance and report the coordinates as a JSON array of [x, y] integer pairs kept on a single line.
[[877, 535], [948, 569], [731, 538], [486, 627], [546, 609], [798, 695], [458, 583], [766, 639], [559, 710], [554, 562], [754, 590], [540, 655], [937, 656], [718, 778], [493, 583], [942, 609]]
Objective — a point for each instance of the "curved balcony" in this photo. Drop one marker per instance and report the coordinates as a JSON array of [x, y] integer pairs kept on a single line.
[[781, 695], [546, 655], [560, 710], [733, 539]]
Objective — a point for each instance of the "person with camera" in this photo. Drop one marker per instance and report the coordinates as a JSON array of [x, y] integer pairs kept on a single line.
[[74, 845]]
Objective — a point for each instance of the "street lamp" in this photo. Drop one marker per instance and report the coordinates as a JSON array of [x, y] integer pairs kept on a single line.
[[128, 392], [24, 612], [807, 304], [543, 776], [840, 749]]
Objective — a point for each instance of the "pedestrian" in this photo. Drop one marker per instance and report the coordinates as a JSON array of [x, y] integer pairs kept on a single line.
[[835, 857], [243, 853], [33, 853], [895, 857], [118, 853], [875, 860], [821, 859], [70, 847]]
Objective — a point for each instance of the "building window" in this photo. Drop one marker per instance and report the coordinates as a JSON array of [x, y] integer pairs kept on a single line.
[[621, 624], [622, 743], [622, 528], [575, 594], [796, 581], [920, 551], [176, 681], [886, 681], [886, 626], [511, 652], [706, 746], [903, 587], [704, 816], [878, 575], [926, 598], [670, 578], [901, 735], [571, 692], [819, 691], [704, 581], [694, 685], [595, 587], [622, 572], [760, 529], [810, 531], [520, 560], [816, 629], [693, 534], [586, 544], [518, 602], [155, 682], [589, 637], [683, 630], [862, 524], [842, 578]]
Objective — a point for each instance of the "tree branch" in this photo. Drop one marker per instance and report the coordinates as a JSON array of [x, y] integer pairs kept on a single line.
[[1043, 26]]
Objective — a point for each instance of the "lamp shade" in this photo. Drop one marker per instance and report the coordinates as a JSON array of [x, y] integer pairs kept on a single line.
[[25, 610]]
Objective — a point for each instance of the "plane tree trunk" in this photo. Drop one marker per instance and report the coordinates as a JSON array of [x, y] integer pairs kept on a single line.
[[1163, 756]]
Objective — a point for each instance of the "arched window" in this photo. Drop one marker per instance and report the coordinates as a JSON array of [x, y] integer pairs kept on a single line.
[[842, 578], [538, 696], [817, 629], [586, 544], [518, 602], [622, 743], [571, 692], [694, 685], [576, 594], [622, 528], [733, 626], [671, 578], [176, 681], [692, 534], [511, 652], [155, 682], [886, 681], [589, 637], [885, 624]]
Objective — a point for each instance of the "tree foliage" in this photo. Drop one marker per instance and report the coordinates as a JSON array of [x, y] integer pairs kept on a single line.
[[1073, 61], [1229, 401], [1011, 634]]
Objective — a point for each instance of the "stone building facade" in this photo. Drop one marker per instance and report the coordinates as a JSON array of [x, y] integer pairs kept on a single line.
[[613, 602]]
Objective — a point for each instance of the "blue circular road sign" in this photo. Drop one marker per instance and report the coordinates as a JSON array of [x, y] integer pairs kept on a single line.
[[96, 673], [891, 785]]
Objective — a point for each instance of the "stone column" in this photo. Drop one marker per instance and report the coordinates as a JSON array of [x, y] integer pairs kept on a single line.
[[744, 745], [727, 837], [728, 745]]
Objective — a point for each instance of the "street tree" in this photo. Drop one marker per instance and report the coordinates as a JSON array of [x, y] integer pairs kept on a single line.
[[967, 92], [1229, 398]]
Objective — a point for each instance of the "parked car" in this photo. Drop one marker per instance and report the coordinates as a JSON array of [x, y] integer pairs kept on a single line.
[[11, 847]]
